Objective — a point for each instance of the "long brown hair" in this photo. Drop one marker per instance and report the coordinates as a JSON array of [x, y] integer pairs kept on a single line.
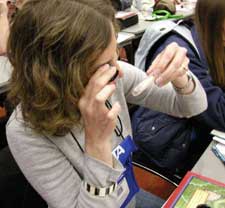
[[53, 45], [210, 17]]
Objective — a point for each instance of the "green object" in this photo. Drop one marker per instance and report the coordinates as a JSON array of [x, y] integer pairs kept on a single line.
[[164, 14]]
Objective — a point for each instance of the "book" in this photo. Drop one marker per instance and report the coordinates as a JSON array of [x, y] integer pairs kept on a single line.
[[219, 140], [218, 133], [196, 190], [218, 146], [219, 150]]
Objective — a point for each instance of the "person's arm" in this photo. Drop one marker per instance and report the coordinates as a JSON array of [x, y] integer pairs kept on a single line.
[[165, 98], [214, 116], [45, 164], [4, 25], [126, 4]]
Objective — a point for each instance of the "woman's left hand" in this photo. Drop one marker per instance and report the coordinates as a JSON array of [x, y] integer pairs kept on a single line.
[[171, 65]]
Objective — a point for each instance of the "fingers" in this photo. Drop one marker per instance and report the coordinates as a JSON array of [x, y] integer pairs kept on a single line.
[[113, 113], [100, 79], [167, 65], [175, 69], [98, 90], [104, 94]]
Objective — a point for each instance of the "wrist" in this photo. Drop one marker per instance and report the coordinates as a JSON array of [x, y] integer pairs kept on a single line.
[[186, 88], [101, 152], [100, 191]]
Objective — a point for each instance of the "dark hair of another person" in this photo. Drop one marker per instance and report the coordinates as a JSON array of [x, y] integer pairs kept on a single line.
[[203, 206], [53, 46], [210, 17]]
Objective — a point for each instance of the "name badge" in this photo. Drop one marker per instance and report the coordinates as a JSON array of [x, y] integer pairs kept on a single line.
[[123, 153]]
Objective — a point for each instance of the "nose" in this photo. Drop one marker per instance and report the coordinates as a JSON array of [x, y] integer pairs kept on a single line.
[[115, 63]]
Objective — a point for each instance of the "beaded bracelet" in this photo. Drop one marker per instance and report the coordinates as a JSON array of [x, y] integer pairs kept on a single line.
[[102, 192], [182, 89]]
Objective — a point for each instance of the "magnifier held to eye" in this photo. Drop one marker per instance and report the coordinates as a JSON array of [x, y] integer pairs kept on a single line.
[[114, 76]]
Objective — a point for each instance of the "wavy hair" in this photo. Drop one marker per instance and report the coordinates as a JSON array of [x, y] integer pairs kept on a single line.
[[53, 45], [209, 19]]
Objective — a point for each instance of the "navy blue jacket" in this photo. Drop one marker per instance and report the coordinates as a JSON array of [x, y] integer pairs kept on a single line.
[[153, 131]]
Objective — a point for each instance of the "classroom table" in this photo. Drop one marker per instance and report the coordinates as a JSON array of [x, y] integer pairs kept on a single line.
[[210, 166], [139, 28]]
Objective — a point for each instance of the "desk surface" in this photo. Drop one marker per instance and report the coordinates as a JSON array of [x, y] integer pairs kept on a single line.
[[124, 38], [139, 28], [210, 166]]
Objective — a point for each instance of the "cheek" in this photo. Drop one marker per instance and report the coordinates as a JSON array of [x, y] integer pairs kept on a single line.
[[119, 69]]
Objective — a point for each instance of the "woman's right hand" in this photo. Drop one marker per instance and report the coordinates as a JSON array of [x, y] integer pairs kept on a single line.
[[99, 121]]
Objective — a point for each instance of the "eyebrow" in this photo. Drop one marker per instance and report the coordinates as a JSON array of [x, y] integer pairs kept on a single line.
[[102, 64]]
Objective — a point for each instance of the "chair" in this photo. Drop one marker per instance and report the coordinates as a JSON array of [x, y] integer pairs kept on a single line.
[[174, 178], [154, 182]]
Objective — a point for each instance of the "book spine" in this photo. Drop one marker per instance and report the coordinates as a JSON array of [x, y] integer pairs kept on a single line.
[[218, 154]]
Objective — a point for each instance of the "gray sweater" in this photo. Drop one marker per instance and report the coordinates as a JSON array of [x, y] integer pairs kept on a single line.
[[57, 168]]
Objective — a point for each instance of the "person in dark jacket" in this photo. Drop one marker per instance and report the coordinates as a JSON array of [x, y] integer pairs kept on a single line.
[[172, 143], [121, 5]]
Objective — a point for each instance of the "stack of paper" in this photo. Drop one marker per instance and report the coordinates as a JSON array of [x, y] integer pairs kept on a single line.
[[219, 144]]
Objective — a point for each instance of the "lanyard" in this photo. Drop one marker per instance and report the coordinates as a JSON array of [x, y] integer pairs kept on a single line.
[[118, 131]]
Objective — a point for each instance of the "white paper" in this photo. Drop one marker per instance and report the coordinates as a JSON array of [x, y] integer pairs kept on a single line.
[[222, 141], [218, 133]]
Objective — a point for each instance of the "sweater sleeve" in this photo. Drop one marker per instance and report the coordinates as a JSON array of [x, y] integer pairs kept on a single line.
[[163, 99], [49, 171]]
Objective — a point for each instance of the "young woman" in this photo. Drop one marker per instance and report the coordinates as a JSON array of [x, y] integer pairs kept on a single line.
[[69, 131], [187, 136]]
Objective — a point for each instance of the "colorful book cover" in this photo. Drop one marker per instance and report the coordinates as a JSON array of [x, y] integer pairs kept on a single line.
[[195, 190]]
